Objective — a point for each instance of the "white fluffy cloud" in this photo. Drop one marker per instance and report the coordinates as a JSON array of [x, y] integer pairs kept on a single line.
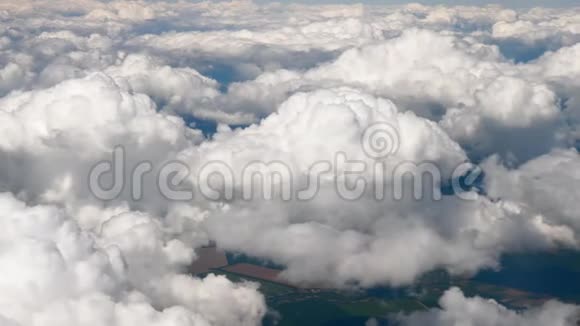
[[485, 103], [177, 90], [55, 273], [458, 84], [112, 265], [456, 309], [314, 127], [52, 138], [547, 185], [329, 240]]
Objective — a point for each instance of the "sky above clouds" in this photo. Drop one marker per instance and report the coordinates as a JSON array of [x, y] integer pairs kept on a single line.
[[238, 82]]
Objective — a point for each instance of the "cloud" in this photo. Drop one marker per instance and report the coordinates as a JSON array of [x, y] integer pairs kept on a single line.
[[457, 84], [456, 309], [52, 138], [56, 273], [87, 263], [181, 91], [478, 97], [546, 185], [340, 242]]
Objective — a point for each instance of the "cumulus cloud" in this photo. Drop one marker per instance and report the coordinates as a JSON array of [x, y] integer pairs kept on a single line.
[[52, 138], [396, 68], [56, 273], [546, 185], [340, 242], [176, 90], [478, 97], [456, 84], [313, 127], [456, 309], [104, 265]]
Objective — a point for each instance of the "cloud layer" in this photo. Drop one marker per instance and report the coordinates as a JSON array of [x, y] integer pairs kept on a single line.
[[460, 85]]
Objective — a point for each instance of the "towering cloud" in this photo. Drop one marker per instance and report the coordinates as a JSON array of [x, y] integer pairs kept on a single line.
[[337, 241]]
